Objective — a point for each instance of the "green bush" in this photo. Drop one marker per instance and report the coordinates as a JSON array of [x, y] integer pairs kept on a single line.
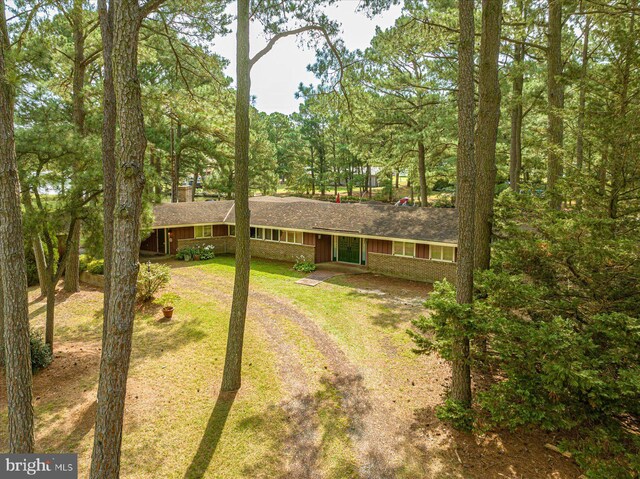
[[560, 311], [151, 278], [185, 253], [41, 355], [85, 259], [303, 265], [203, 251], [206, 252], [96, 266], [456, 414]]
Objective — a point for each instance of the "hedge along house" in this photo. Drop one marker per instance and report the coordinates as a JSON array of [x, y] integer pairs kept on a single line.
[[407, 242]]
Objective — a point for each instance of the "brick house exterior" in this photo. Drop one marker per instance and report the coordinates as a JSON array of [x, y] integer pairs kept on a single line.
[[411, 243]]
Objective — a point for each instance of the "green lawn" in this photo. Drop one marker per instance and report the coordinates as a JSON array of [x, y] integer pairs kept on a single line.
[[330, 388]]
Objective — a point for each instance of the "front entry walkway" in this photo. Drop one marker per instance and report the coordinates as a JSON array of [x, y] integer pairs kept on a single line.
[[329, 270], [317, 277]]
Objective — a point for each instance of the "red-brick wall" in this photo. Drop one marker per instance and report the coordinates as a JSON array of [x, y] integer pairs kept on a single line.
[[221, 243], [417, 269]]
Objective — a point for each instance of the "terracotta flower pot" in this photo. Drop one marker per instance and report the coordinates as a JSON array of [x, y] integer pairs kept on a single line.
[[168, 312], [196, 257]]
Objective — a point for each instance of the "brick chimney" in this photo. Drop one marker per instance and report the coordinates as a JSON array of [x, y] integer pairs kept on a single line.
[[184, 194]]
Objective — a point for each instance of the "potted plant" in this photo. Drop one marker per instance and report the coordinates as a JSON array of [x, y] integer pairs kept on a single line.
[[196, 254], [167, 301], [167, 310]]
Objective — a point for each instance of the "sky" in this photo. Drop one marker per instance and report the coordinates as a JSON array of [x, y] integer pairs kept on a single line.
[[275, 78]]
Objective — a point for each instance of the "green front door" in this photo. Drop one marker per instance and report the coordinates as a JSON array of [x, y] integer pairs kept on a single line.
[[349, 249]]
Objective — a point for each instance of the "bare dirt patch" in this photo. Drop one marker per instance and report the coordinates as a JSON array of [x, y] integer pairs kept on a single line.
[[378, 284]]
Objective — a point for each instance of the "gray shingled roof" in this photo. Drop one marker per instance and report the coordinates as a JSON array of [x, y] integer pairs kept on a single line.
[[402, 222], [196, 213]]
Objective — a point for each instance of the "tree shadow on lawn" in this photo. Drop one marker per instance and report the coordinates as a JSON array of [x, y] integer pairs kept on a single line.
[[396, 318], [61, 297], [320, 428], [82, 425], [211, 437]]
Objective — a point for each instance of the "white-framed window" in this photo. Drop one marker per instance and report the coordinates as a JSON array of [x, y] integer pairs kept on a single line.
[[256, 233], [232, 230], [442, 253], [288, 236], [271, 234], [203, 231], [404, 248]]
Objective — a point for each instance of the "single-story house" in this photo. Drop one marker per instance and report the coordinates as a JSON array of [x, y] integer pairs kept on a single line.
[[407, 242]]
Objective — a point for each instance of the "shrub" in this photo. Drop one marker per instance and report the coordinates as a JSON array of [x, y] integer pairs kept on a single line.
[[444, 201], [456, 414], [151, 278], [41, 355], [202, 251], [206, 252], [85, 259], [303, 265], [560, 310], [96, 266], [185, 253]]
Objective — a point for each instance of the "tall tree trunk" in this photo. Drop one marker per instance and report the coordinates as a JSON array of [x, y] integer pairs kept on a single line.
[[231, 379], [621, 141], [422, 174], [51, 307], [174, 165], [515, 151], [79, 67], [72, 269], [105, 13], [367, 181], [1, 324], [313, 173], [602, 170], [41, 264], [177, 152], [321, 166], [582, 100], [196, 175], [465, 202], [230, 186], [555, 94], [487, 130], [13, 270], [116, 352], [154, 160], [53, 276]]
